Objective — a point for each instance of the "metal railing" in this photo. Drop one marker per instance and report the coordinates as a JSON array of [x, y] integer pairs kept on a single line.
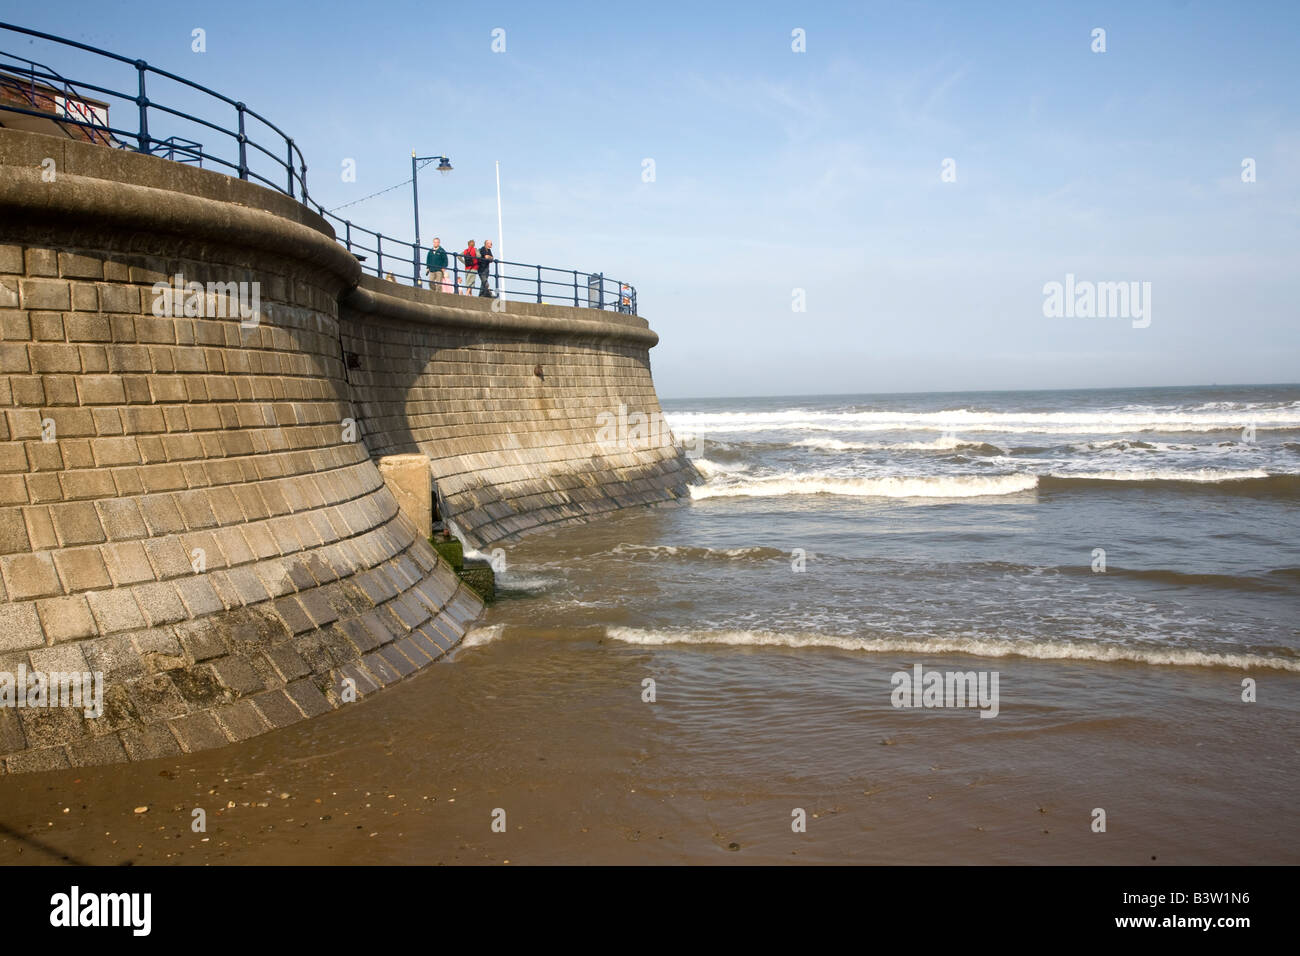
[[250, 160], [282, 168], [179, 149], [391, 258], [42, 95]]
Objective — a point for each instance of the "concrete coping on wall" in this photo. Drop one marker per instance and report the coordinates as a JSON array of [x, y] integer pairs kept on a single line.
[[121, 189], [421, 306]]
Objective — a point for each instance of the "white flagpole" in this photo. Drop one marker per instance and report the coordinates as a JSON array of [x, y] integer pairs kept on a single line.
[[500, 242]]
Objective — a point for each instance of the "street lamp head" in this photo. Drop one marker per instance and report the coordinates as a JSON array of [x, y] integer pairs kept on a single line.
[[444, 166]]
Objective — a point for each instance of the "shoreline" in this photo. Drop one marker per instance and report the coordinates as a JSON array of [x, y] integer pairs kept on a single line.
[[450, 753]]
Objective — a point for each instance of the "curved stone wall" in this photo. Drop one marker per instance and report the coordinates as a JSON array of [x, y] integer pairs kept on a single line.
[[184, 508], [529, 415], [188, 501]]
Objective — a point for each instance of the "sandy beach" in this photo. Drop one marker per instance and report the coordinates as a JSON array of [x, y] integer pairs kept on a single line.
[[552, 729]]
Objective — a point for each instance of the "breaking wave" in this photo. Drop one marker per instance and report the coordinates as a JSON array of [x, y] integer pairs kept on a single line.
[[1255, 483], [480, 635], [962, 419], [942, 443], [734, 483], [958, 486], [973, 646], [753, 552]]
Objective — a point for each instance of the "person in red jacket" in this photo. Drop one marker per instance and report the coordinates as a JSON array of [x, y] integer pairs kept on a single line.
[[470, 258]]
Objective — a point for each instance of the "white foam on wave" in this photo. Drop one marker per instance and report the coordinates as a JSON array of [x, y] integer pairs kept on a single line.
[[672, 550], [972, 646], [1063, 423], [514, 581], [480, 635], [1246, 406], [942, 443], [1110, 445], [711, 469], [944, 486], [1202, 475], [931, 486]]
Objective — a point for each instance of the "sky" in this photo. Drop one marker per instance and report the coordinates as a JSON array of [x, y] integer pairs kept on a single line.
[[878, 211]]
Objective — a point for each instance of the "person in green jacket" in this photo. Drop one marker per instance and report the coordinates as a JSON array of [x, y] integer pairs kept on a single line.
[[436, 263]]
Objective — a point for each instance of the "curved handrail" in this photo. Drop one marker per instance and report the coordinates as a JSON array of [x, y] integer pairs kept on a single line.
[[286, 163], [51, 75]]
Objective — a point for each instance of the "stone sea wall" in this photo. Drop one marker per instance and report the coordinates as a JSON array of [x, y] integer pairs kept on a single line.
[[518, 411], [189, 502]]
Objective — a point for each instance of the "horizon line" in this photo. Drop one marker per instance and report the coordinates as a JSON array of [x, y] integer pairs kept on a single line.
[[984, 391]]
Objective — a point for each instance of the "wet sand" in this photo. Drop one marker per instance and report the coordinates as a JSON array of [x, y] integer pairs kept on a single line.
[[550, 727]]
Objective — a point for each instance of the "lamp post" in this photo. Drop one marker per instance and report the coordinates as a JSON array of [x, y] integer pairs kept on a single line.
[[444, 167]]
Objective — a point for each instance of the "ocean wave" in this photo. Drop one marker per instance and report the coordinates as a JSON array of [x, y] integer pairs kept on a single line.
[[1125, 444], [972, 646], [942, 443], [1246, 406], [955, 486], [711, 469], [1264, 580], [753, 552], [1189, 579], [1166, 474], [480, 635], [966, 420], [1251, 482], [720, 453]]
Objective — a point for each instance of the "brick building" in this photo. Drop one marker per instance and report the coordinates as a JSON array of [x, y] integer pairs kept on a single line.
[[66, 112]]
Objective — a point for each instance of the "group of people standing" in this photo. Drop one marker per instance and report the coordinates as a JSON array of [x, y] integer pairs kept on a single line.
[[477, 266]]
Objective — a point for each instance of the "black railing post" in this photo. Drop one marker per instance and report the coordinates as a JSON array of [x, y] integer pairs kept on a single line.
[[348, 232], [575, 288], [243, 143], [143, 102], [415, 264], [289, 166], [539, 284], [379, 253]]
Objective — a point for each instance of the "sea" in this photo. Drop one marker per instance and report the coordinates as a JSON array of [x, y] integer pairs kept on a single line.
[[980, 627], [1156, 526]]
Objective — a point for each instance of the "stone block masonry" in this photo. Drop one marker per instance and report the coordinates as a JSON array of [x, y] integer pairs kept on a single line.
[[190, 503], [506, 405], [183, 508]]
